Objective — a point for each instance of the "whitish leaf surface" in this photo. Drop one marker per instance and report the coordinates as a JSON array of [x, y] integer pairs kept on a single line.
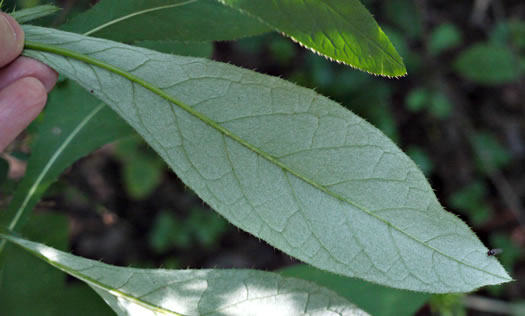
[[342, 30], [372, 298], [196, 49], [283, 163], [195, 292], [191, 20]]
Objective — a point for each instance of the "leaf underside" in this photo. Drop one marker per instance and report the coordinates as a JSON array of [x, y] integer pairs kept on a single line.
[[130, 291], [283, 163]]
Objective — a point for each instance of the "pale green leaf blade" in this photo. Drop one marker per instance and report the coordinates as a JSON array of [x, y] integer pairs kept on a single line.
[[342, 30], [30, 14], [75, 123], [195, 49], [185, 20], [194, 292], [372, 298], [283, 163]]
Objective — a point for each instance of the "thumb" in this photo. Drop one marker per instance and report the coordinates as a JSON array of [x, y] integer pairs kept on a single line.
[[11, 39]]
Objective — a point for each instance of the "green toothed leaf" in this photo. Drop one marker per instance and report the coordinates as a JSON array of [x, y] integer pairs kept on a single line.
[[342, 30]]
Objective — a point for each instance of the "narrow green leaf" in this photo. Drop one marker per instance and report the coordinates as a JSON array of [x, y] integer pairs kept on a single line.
[[194, 292], [29, 286], [342, 30], [488, 64], [190, 20], [75, 124], [372, 298], [34, 13], [283, 163]]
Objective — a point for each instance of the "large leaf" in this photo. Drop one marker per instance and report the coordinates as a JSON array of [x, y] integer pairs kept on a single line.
[[194, 292], [342, 30], [29, 286], [283, 163], [193, 20], [75, 123], [372, 298]]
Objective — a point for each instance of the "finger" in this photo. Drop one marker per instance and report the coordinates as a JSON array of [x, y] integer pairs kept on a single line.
[[27, 67], [20, 103], [11, 39]]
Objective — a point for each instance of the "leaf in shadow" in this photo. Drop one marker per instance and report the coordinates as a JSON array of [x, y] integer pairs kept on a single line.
[[185, 20]]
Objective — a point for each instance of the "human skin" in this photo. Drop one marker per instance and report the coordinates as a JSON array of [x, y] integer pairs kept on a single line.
[[24, 83]]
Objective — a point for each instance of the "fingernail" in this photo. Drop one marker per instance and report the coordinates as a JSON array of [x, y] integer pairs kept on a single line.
[[8, 25]]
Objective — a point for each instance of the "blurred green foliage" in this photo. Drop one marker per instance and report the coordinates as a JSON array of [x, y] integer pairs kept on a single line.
[[282, 49], [421, 159], [447, 305], [404, 15], [202, 228], [510, 32], [470, 201], [434, 102], [142, 168], [444, 37], [490, 155], [487, 63]]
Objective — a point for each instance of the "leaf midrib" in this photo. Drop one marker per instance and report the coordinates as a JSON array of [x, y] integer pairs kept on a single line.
[[95, 62], [87, 279]]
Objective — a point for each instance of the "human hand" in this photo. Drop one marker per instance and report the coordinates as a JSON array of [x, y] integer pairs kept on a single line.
[[24, 82]]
